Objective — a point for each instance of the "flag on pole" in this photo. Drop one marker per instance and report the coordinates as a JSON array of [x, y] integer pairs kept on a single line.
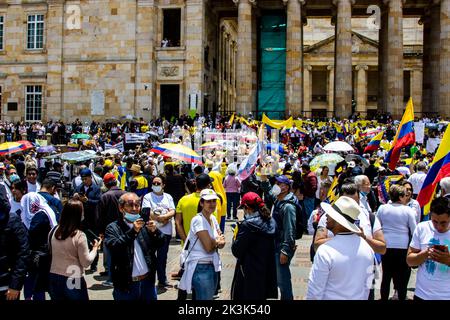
[[404, 137], [248, 166], [231, 120], [333, 192], [439, 168]]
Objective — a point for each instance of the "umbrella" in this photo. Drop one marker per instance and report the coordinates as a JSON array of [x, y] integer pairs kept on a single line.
[[326, 159], [12, 147], [111, 151], [46, 149], [79, 156], [338, 146], [81, 136], [353, 157], [26, 144], [178, 151]]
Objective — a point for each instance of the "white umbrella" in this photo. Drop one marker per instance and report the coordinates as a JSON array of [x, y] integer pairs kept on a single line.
[[338, 146], [111, 151]]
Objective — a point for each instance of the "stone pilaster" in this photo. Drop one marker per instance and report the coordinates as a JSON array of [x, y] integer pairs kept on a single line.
[[307, 89], [444, 99], [343, 59], [394, 63], [244, 57], [330, 90], [294, 53], [361, 89], [426, 80], [54, 44], [195, 42], [416, 89], [382, 60], [145, 69]]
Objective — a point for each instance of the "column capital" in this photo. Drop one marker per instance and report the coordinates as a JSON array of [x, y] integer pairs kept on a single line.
[[330, 67], [361, 67], [285, 2], [386, 2], [252, 2], [308, 67], [335, 2]]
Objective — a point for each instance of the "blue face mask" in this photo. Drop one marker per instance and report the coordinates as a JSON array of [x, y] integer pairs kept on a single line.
[[130, 217], [364, 193], [14, 177]]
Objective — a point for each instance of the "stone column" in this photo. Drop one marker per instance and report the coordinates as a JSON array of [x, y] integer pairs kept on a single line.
[[55, 92], [426, 80], [394, 59], [307, 89], [330, 110], [361, 89], [382, 55], [146, 66], [416, 89], [294, 53], [244, 57], [434, 58], [195, 42], [343, 59], [444, 97]]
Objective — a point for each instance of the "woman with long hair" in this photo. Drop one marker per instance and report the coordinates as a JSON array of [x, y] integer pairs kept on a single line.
[[255, 275], [70, 255]]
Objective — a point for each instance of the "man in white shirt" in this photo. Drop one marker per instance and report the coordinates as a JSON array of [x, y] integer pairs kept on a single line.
[[31, 177], [429, 250], [343, 266], [417, 178], [445, 186]]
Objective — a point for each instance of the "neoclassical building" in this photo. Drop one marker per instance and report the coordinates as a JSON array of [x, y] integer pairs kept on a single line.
[[99, 59]]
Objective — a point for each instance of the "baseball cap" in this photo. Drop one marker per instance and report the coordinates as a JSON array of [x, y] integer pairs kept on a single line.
[[108, 163], [283, 179], [252, 200], [208, 194], [85, 173], [109, 177]]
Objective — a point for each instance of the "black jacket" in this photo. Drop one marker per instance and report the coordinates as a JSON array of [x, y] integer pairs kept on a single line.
[[108, 208], [14, 251], [255, 276], [93, 194], [119, 238], [4, 201]]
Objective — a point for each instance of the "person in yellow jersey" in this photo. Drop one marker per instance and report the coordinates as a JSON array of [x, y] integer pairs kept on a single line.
[[138, 183], [217, 186]]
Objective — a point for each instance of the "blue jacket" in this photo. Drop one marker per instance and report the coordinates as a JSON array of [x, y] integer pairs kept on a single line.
[[284, 214]]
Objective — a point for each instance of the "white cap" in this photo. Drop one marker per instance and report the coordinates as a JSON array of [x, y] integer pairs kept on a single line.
[[208, 194]]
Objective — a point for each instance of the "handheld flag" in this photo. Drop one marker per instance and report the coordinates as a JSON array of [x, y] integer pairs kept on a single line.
[[439, 168], [374, 144], [404, 137]]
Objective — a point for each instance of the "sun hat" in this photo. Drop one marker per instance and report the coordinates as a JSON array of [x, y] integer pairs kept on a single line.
[[344, 211], [208, 194]]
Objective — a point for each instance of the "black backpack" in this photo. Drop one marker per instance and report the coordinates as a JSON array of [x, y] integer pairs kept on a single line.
[[301, 219]]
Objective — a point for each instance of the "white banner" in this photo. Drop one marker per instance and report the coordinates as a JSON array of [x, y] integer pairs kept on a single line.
[[432, 144], [419, 130], [135, 137]]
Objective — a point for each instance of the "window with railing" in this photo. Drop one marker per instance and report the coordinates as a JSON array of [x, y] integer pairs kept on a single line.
[[33, 103], [35, 32], [2, 19]]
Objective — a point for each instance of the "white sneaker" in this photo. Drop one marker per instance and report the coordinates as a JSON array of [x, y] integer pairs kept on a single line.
[[395, 295]]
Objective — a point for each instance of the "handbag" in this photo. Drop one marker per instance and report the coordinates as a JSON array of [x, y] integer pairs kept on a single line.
[[181, 272]]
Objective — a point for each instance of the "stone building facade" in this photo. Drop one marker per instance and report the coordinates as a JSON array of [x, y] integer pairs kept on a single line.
[[99, 59]]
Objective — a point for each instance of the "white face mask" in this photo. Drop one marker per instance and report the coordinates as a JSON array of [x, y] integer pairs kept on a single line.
[[156, 189], [276, 190]]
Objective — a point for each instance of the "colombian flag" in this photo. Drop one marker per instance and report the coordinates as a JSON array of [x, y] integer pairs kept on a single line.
[[440, 168], [404, 137], [374, 144]]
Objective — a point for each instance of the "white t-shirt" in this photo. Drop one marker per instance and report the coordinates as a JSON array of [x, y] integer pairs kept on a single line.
[[433, 278], [163, 204], [404, 171], [139, 265], [15, 206], [33, 187], [342, 270], [417, 180], [414, 204], [199, 223], [398, 222]]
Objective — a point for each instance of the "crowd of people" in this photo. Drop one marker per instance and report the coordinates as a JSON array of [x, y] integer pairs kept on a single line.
[[130, 205]]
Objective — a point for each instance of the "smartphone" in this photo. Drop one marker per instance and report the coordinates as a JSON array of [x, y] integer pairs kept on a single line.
[[91, 236], [440, 247]]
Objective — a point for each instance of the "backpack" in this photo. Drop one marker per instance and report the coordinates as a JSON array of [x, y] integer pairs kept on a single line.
[[301, 220]]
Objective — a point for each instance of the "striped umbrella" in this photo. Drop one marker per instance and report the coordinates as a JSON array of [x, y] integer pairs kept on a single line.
[[26, 144], [178, 151], [13, 147]]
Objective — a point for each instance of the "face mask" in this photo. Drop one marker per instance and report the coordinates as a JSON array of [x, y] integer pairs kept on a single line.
[[156, 189], [364, 193], [130, 217], [276, 190], [14, 177]]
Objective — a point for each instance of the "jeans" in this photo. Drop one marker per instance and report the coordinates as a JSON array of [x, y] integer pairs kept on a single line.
[[395, 268], [232, 199], [284, 278], [28, 289], [161, 255], [309, 205], [143, 290], [204, 282], [107, 261], [62, 288]]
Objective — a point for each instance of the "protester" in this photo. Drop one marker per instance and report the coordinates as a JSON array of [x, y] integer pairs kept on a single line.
[[31, 178], [417, 178], [445, 186], [311, 186], [70, 255], [255, 276], [232, 187]]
